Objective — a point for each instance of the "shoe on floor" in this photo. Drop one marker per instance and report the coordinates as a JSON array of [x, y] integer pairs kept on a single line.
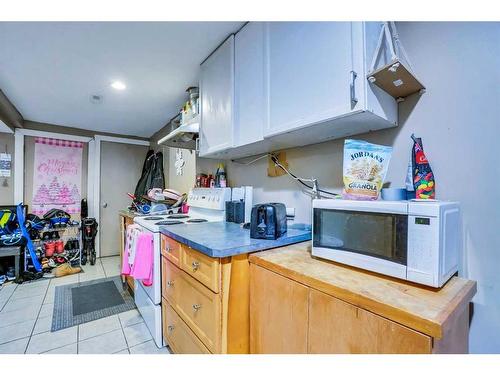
[[11, 274], [66, 269]]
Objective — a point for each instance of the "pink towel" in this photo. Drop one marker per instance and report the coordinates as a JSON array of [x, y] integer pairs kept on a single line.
[[142, 269], [125, 266]]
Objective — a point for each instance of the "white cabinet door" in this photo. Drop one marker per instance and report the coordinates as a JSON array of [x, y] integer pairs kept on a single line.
[[217, 93], [249, 98], [308, 67]]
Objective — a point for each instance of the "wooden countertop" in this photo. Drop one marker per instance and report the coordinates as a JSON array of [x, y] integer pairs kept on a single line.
[[424, 309], [127, 213]]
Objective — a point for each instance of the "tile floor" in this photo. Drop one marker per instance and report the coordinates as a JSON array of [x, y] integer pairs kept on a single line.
[[26, 318]]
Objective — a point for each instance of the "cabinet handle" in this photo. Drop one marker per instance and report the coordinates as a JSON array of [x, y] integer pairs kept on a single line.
[[197, 145], [354, 99], [196, 307], [170, 284], [195, 265], [168, 248], [170, 328]]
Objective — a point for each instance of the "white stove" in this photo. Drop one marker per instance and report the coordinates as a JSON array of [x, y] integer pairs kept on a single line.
[[205, 205]]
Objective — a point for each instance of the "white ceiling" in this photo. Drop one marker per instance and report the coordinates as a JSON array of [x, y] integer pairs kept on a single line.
[[49, 70]]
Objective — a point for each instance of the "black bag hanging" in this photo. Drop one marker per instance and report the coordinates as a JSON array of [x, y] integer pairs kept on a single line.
[[157, 177], [142, 185]]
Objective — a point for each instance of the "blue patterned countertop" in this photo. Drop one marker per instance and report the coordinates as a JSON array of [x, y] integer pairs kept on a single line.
[[222, 239]]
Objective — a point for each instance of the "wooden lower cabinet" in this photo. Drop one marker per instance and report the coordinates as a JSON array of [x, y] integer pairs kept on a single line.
[[278, 313], [198, 306], [209, 302], [178, 335], [338, 327], [303, 304], [287, 317]]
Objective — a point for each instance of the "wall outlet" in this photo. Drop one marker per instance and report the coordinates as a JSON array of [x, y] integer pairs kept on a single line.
[[290, 212]]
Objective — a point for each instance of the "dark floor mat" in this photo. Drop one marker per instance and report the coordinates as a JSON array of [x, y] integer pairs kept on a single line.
[[90, 300]]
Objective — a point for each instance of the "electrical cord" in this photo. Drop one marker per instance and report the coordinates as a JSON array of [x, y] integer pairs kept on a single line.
[[299, 179]]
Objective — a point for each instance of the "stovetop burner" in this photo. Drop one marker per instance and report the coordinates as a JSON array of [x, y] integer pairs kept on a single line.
[[153, 218], [197, 220], [169, 222], [177, 216]]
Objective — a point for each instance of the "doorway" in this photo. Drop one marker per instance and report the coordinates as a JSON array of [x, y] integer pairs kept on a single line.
[[120, 169]]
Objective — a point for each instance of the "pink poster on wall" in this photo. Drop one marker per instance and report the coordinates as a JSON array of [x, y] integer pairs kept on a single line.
[[57, 178]]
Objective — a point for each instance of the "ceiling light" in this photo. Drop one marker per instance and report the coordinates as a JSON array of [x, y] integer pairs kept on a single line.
[[118, 85]]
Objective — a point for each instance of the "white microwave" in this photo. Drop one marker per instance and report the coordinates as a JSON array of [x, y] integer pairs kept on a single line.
[[416, 241]]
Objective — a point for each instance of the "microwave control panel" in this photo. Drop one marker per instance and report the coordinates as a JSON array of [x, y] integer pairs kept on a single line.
[[422, 238]]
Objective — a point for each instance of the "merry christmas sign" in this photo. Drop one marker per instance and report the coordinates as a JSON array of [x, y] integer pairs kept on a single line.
[[57, 178]]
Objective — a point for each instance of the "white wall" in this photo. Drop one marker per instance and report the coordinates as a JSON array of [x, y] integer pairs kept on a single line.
[[458, 119], [187, 180]]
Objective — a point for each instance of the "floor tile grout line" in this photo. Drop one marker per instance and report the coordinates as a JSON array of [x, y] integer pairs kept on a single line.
[[101, 334], [19, 338], [8, 298], [37, 316], [133, 346], [123, 332], [59, 347]]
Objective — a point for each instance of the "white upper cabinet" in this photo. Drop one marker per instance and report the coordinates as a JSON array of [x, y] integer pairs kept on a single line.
[[277, 85], [308, 73], [217, 100], [249, 91]]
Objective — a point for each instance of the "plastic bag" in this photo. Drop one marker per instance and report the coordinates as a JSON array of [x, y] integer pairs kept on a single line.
[[365, 167], [423, 178]]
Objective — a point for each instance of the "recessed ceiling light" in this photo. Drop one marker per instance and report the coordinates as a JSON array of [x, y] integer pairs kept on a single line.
[[96, 98], [118, 85]]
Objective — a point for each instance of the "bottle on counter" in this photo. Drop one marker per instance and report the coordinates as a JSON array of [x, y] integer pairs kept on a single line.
[[211, 181], [220, 176]]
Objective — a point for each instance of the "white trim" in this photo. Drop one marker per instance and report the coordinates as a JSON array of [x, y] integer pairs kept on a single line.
[[90, 177], [129, 141], [96, 187], [65, 137], [95, 207], [18, 167]]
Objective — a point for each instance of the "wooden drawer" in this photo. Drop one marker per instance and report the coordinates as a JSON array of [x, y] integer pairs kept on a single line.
[[178, 335], [197, 305], [171, 249], [338, 327], [170, 274], [203, 268]]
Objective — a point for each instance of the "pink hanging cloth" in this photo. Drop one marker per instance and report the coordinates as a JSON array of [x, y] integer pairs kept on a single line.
[[129, 250], [142, 269]]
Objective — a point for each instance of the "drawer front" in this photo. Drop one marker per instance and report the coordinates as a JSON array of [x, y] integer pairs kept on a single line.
[[203, 268], [178, 335], [170, 276], [197, 305], [171, 249]]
